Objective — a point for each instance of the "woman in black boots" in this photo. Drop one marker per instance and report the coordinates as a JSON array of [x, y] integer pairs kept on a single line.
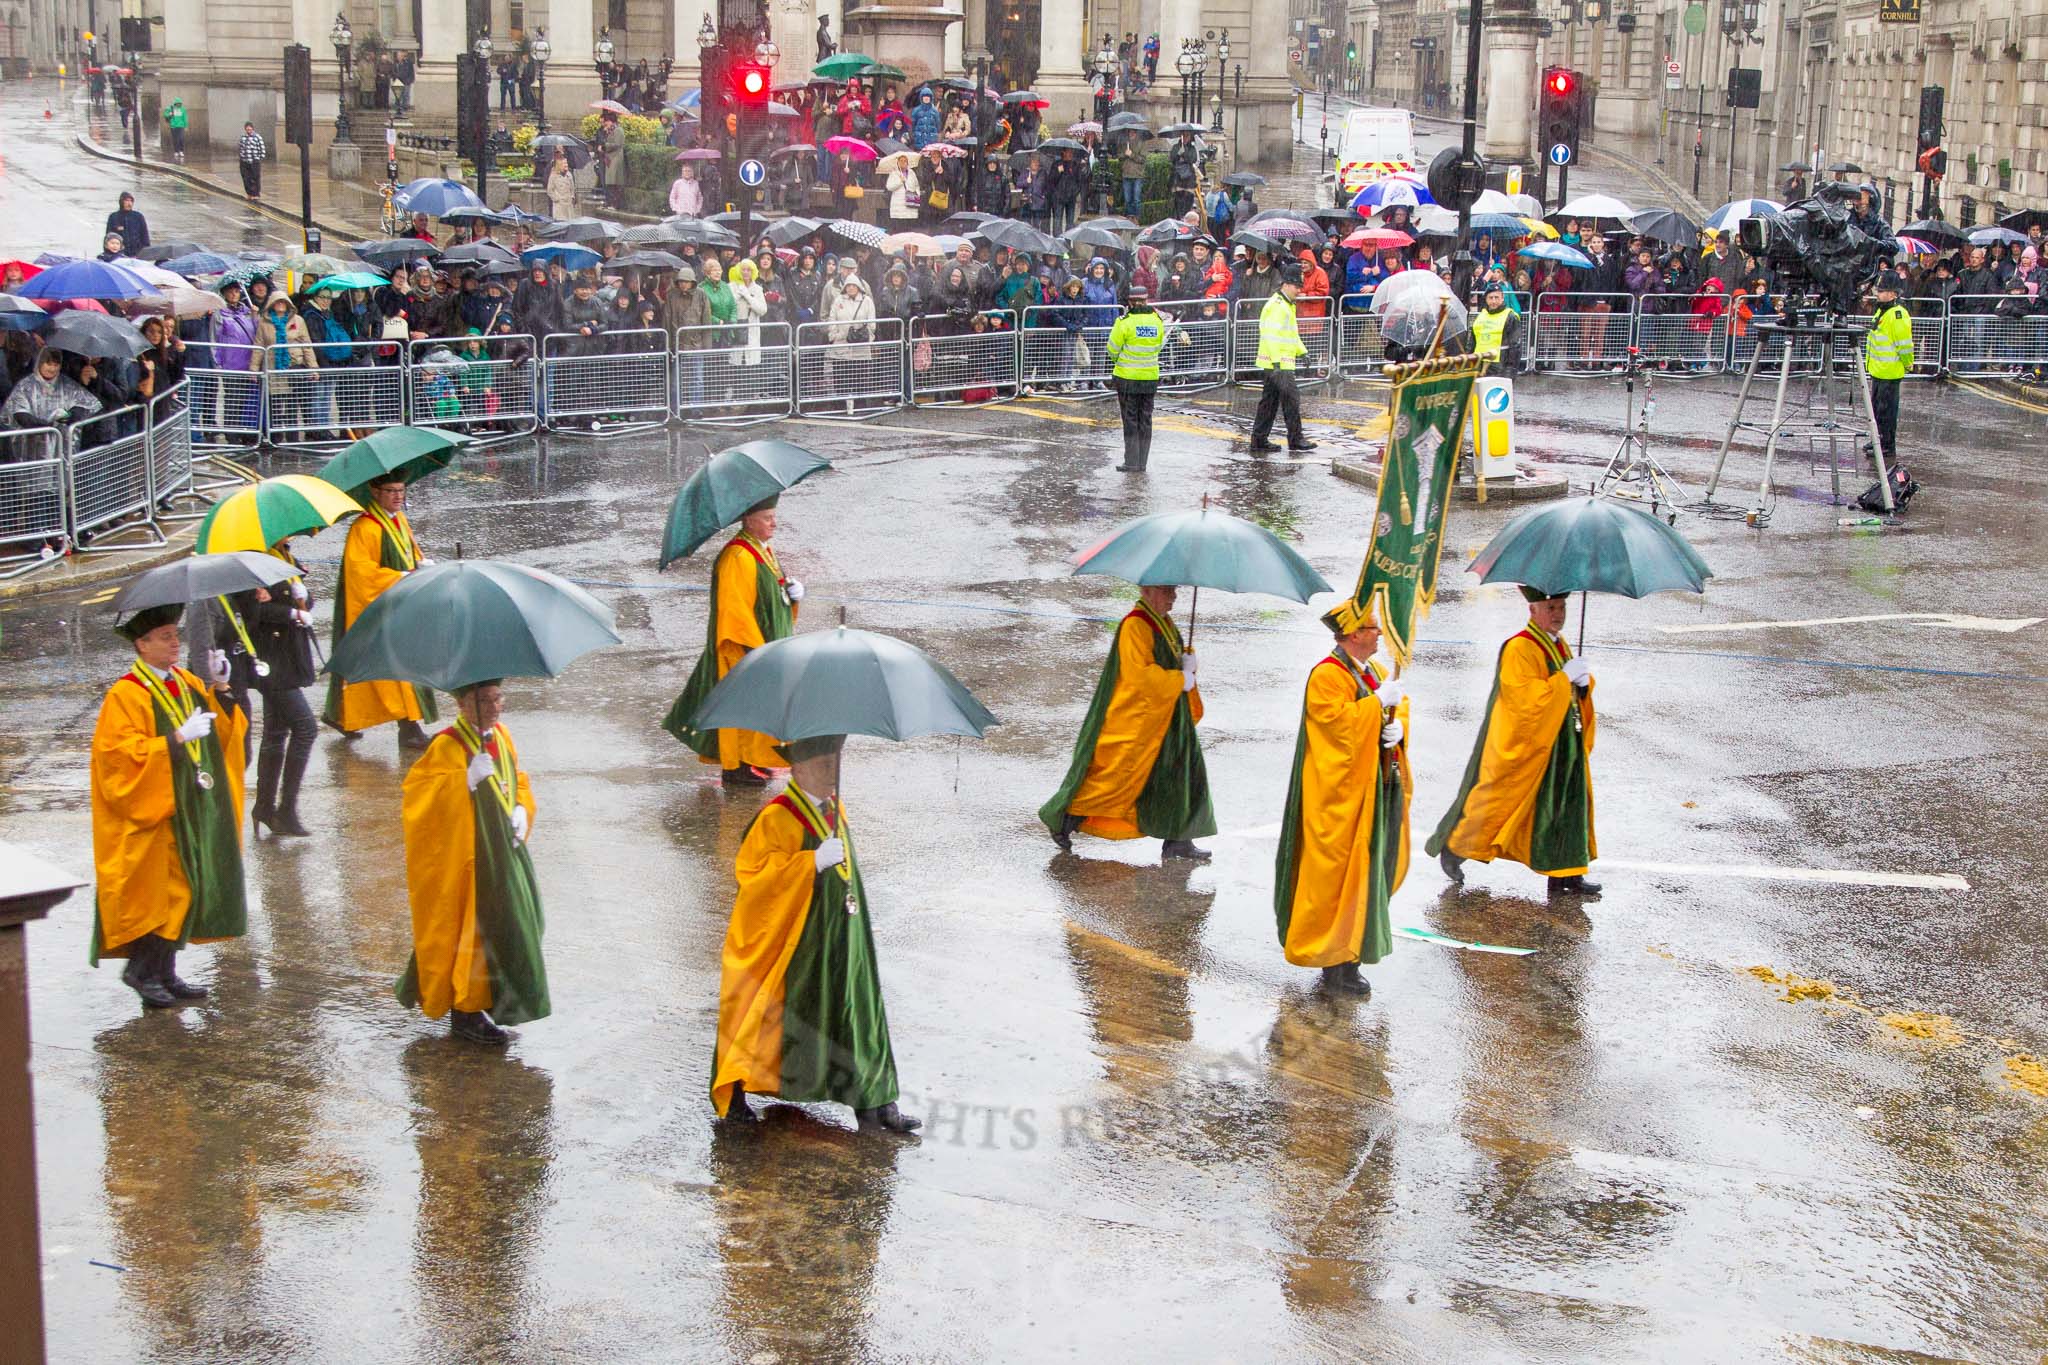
[[280, 624]]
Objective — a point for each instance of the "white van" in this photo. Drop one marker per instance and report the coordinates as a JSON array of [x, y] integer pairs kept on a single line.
[[1372, 144]]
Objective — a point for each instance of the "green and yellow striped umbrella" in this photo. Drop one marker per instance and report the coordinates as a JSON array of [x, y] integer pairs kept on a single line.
[[259, 517]]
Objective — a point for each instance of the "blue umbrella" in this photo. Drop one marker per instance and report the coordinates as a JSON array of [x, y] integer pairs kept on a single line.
[[571, 256], [691, 98], [1735, 210], [1500, 224], [434, 197], [1558, 252], [512, 213], [88, 280], [200, 263], [19, 315], [1391, 192]]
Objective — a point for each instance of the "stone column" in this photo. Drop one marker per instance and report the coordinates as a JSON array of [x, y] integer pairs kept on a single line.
[[908, 34], [1062, 62], [572, 70], [1510, 81]]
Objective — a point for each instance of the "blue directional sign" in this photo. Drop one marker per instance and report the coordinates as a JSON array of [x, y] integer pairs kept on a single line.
[[752, 172], [1560, 155]]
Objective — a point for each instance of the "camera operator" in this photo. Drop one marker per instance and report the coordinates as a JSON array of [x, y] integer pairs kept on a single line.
[[1887, 356]]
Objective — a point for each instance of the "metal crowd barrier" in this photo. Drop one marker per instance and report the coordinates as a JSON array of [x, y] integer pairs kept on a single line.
[[226, 407], [946, 368], [1061, 354], [1571, 332], [1197, 351], [845, 371], [1980, 342], [1694, 340], [170, 452], [107, 479], [486, 387], [345, 390], [1316, 333], [734, 376], [1359, 350], [1809, 352], [610, 384], [32, 488]]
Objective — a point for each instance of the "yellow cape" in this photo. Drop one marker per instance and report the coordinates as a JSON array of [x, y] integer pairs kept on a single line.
[[142, 887], [440, 873], [777, 876], [1529, 706], [368, 704], [739, 630], [1133, 728]]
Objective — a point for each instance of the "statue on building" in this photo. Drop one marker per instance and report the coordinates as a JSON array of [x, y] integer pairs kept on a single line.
[[826, 47]]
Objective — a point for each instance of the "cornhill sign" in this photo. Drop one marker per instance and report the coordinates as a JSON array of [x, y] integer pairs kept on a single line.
[[1898, 11]]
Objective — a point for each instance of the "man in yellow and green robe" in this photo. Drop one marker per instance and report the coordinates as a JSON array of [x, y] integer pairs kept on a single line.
[[752, 602], [1528, 789], [476, 912], [1344, 838], [166, 812], [379, 551], [800, 1013], [1137, 770]]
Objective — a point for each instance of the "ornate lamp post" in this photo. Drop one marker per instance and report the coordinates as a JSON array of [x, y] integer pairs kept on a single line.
[[481, 50], [540, 49], [1222, 70], [344, 40], [601, 57], [1185, 64]]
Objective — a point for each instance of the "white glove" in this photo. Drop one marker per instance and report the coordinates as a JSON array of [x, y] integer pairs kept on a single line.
[[1390, 734], [1187, 671], [197, 726], [481, 769], [519, 824], [303, 617], [299, 591], [1391, 692], [1578, 672], [217, 666], [423, 562], [830, 854], [795, 588]]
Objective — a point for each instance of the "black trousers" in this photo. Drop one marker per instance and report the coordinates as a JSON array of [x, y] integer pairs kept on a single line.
[[1278, 396], [252, 177], [289, 728], [1134, 404], [1884, 402]]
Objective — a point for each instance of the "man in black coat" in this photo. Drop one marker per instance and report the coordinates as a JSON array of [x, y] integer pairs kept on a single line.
[[132, 226]]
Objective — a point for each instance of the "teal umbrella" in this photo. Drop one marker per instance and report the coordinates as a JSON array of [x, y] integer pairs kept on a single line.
[[1203, 549], [468, 620], [1592, 544], [732, 481], [411, 452], [840, 682], [347, 279]]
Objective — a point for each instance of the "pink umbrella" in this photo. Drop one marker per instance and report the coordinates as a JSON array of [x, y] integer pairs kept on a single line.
[[850, 146], [1378, 238], [943, 149], [1085, 126], [698, 154], [56, 306], [610, 106]]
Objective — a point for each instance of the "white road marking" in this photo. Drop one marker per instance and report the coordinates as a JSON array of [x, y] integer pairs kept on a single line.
[[1948, 620], [1842, 876]]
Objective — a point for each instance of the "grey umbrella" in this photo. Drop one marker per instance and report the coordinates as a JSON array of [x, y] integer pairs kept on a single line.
[[841, 682], [94, 334], [198, 577], [1008, 232]]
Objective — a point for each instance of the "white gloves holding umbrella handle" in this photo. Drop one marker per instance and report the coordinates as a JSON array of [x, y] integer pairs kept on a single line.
[[481, 768], [1187, 671], [795, 589], [1390, 734], [217, 666], [1578, 671], [519, 824], [197, 726], [830, 854], [1391, 692]]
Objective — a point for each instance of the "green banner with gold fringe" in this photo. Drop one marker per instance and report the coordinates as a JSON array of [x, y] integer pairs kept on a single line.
[[1398, 580]]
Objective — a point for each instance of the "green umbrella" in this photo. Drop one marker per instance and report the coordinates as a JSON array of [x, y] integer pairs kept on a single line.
[[883, 71], [840, 682], [469, 620], [348, 279], [313, 263], [410, 452], [261, 515], [842, 66], [1202, 549], [1592, 544], [732, 481]]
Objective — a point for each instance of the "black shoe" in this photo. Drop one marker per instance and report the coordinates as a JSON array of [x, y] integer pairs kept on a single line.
[[411, 735], [168, 978], [140, 975], [477, 1027], [888, 1118], [285, 824], [1130, 469], [1064, 835], [1184, 848], [744, 776], [1345, 980], [738, 1111], [259, 817], [1575, 886], [1264, 448], [1453, 866], [1297, 448]]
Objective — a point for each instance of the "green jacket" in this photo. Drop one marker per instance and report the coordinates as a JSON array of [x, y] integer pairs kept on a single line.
[[175, 116], [1135, 342], [719, 296], [1279, 338], [1888, 350]]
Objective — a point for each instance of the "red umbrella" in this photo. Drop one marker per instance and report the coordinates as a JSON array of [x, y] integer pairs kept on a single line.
[[1379, 238], [851, 146], [29, 269], [610, 106]]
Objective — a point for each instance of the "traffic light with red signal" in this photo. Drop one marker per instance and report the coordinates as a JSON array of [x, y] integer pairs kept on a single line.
[[1560, 109], [749, 83]]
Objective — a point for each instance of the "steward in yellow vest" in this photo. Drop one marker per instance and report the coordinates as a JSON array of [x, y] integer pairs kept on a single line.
[[1134, 345]]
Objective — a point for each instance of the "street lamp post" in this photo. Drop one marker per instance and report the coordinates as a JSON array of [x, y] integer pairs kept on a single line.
[[540, 49], [1105, 79], [481, 50], [344, 40], [1185, 64], [1222, 66], [601, 57]]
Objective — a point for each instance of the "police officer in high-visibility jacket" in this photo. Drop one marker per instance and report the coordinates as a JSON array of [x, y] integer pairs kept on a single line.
[[1887, 355], [1134, 346], [1279, 347], [1497, 333]]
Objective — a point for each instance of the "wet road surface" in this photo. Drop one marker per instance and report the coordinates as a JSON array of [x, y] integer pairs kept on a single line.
[[1146, 1135]]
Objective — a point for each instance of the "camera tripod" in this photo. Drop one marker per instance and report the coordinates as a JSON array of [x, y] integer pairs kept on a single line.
[[1632, 471], [1817, 422]]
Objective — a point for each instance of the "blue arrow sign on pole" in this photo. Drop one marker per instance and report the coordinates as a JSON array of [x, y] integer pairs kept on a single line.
[[1560, 155], [752, 172]]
